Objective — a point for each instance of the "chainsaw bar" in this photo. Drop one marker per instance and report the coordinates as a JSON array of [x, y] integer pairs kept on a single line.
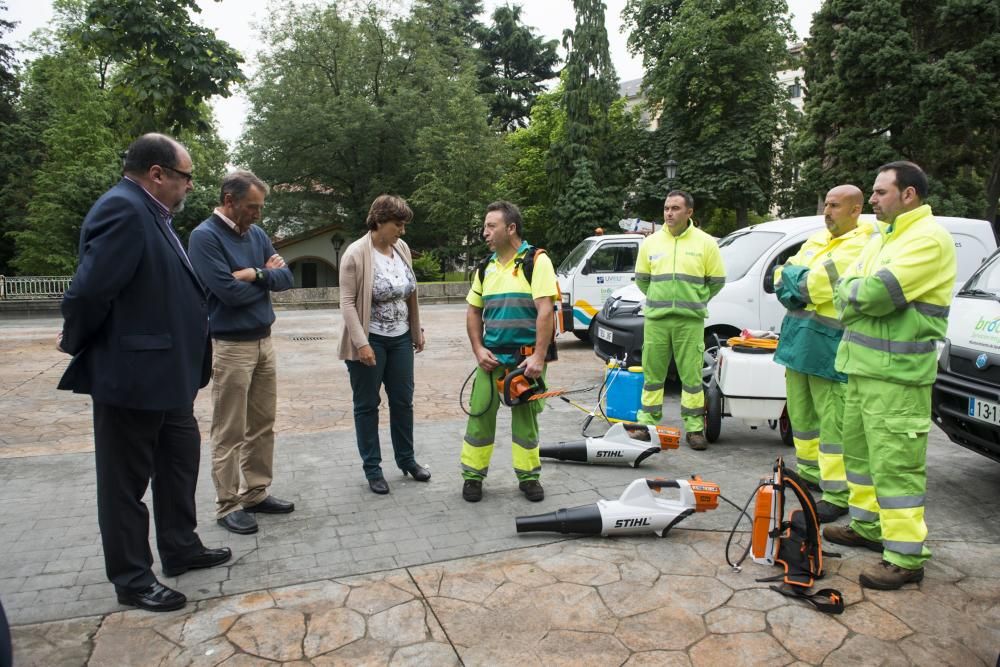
[[552, 393]]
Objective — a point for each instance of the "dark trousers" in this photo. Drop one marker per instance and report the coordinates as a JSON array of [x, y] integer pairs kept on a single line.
[[394, 369], [133, 447]]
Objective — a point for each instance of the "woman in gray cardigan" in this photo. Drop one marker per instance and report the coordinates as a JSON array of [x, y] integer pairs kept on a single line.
[[378, 301]]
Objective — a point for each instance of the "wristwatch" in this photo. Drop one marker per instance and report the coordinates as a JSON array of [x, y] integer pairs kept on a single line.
[[259, 276]]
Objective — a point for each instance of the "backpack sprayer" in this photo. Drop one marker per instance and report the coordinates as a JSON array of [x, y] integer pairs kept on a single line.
[[636, 511], [623, 444]]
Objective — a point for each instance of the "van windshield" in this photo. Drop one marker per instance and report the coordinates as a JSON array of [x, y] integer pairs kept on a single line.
[[986, 281], [575, 256], [742, 248]]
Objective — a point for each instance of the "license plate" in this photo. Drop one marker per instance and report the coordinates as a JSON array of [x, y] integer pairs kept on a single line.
[[605, 334], [984, 410]]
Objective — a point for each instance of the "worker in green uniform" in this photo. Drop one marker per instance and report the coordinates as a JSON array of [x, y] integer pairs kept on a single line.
[[679, 269], [894, 306], [510, 322], [810, 334]]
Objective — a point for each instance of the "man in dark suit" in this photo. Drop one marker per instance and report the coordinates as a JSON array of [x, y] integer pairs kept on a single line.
[[136, 323]]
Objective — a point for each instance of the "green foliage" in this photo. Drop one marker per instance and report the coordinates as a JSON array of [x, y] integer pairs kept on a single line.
[[427, 267], [904, 80], [711, 75], [166, 66], [516, 62]]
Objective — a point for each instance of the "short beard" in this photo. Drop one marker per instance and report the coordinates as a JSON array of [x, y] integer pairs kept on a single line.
[[178, 207]]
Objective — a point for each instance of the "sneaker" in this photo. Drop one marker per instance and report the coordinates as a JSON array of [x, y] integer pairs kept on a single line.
[[845, 535], [888, 577], [697, 441], [828, 512], [532, 490], [472, 490]]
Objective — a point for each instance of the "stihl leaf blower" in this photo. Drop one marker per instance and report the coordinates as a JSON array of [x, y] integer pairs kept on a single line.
[[636, 511], [623, 444]]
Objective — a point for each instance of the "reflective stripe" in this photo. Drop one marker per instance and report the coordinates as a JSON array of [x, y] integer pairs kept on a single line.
[[691, 389], [862, 515], [828, 448], [508, 302], [688, 412], [908, 548], [803, 314], [715, 280], [833, 485], [692, 305], [853, 298], [680, 277], [901, 502], [475, 471], [509, 324], [642, 276], [805, 435], [804, 287], [860, 480], [477, 442], [930, 310], [533, 471], [894, 288], [831, 271], [652, 408], [525, 444], [653, 386], [889, 346], [807, 462]]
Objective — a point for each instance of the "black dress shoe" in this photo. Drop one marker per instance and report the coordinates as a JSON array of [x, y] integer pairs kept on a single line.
[[155, 597], [272, 505], [418, 472], [379, 486], [204, 558], [239, 522]]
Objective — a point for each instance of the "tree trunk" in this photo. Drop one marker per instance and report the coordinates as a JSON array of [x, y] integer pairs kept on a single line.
[[742, 217]]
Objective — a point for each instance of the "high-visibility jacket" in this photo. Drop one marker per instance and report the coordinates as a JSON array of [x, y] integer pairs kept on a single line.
[[811, 331], [894, 302], [679, 274], [508, 301]]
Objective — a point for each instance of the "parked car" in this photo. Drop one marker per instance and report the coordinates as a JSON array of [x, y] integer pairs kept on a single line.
[[595, 268], [965, 401], [747, 300]]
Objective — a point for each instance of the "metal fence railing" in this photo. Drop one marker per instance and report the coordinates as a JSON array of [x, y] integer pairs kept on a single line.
[[32, 287]]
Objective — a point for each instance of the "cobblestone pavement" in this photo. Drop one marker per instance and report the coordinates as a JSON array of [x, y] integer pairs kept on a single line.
[[421, 577]]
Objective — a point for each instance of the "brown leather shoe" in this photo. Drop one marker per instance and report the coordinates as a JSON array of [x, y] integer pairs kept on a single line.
[[888, 577], [845, 535], [697, 441]]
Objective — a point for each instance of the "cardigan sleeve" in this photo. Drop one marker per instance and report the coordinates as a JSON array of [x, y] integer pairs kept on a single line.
[[350, 283]]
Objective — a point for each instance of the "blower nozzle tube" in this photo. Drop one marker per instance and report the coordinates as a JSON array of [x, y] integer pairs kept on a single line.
[[582, 520], [565, 451]]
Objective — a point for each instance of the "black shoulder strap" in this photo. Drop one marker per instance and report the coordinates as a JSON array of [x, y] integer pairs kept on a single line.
[[827, 600], [481, 269], [528, 263]]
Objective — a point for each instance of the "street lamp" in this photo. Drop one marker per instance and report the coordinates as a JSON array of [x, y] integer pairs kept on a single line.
[[671, 169], [338, 243]]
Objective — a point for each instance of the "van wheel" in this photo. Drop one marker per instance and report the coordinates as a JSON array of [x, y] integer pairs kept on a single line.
[[785, 428], [713, 412], [708, 359]]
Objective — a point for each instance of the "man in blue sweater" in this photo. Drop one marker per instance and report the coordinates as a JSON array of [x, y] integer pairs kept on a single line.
[[238, 265]]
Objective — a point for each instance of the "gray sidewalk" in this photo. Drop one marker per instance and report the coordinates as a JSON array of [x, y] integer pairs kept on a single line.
[[51, 557]]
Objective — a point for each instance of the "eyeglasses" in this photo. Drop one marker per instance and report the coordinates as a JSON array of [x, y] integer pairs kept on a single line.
[[188, 176]]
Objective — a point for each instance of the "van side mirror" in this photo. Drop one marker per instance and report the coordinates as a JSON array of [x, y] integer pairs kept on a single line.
[[769, 278]]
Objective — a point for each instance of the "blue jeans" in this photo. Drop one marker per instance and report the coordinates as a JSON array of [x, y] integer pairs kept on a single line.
[[394, 369]]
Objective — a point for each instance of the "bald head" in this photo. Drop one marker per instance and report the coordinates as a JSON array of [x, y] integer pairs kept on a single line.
[[841, 209]]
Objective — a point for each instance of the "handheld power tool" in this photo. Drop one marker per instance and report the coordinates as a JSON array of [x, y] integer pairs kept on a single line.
[[636, 511], [623, 444]]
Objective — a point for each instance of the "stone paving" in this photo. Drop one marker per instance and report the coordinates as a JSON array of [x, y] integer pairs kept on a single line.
[[420, 577]]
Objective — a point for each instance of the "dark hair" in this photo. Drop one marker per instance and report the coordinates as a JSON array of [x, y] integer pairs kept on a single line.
[[511, 215], [688, 199], [908, 175], [386, 208], [150, 149], [238, 184]]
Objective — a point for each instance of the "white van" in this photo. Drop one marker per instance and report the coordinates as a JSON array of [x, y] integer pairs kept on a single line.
[[595, 268], [747, 300], [966, 398]]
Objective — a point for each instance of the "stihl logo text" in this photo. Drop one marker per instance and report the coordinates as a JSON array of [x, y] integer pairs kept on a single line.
[[603, 454], [632, 523]]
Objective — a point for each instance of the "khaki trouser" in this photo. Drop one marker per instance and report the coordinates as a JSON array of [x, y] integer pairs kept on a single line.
[[244, 402]]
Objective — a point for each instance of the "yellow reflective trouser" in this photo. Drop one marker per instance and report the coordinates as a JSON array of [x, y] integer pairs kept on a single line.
[[816, 411], [480, 432], [681, 339], [885, 453]]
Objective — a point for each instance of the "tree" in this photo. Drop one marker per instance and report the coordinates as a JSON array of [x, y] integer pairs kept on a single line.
[[916, 80], [10, 157], [587, 172], [165, 65], [516, 63], [712, 78]]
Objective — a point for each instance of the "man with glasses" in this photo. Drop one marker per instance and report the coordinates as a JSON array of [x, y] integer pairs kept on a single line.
[[136, 322], [236, 261]]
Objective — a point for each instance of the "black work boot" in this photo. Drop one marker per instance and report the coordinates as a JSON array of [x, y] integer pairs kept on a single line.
[[828, 512], [532, 490], [472, 490], [697, 440], [887, 576], [845, 535]]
